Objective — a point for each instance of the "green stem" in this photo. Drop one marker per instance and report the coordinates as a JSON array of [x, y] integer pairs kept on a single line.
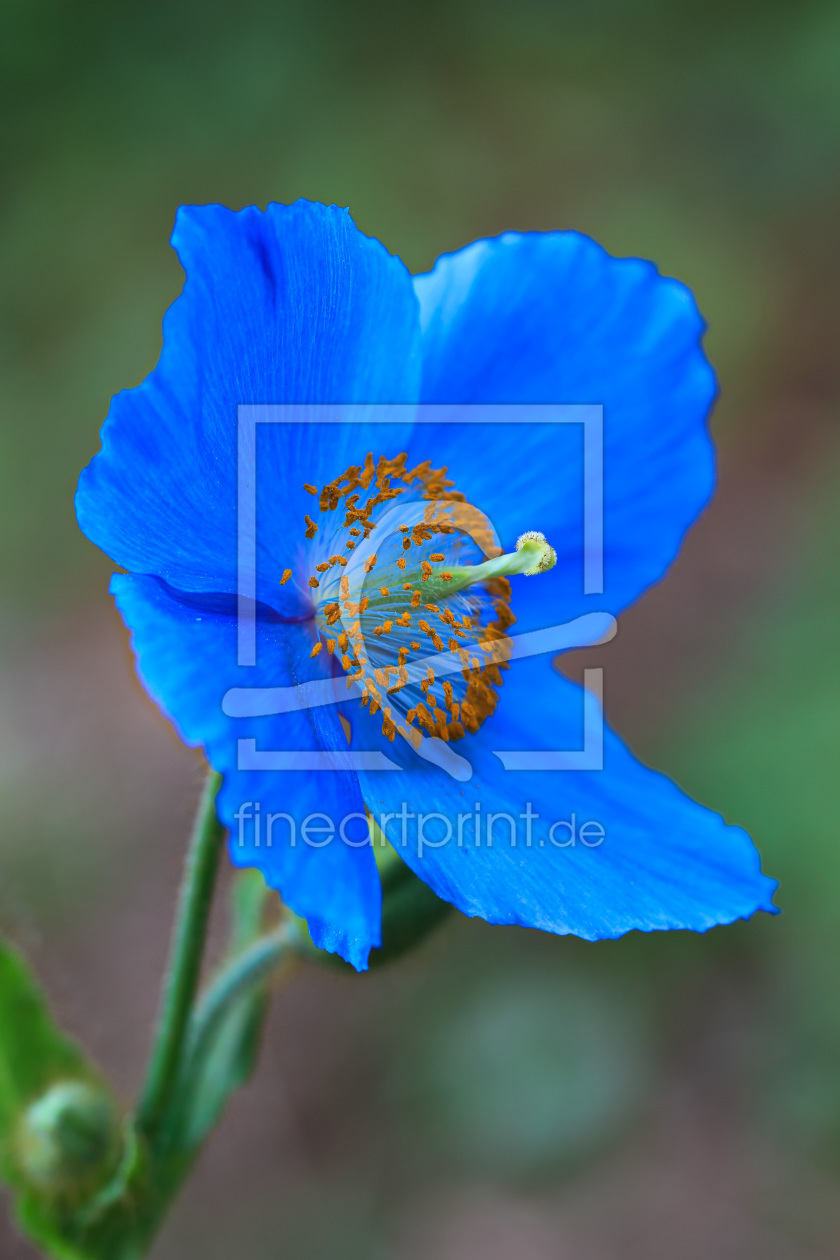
[[184, 969]]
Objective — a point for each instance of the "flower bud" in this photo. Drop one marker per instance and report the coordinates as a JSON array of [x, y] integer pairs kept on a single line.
[[69, 1139]]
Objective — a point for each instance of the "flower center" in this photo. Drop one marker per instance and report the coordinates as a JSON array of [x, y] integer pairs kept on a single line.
[[412, 596]]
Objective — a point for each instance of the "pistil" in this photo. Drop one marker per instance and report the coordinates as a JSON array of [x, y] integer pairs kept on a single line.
[[533, 555]]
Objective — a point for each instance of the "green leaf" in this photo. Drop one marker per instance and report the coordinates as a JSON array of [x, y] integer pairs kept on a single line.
[[230, 1061]]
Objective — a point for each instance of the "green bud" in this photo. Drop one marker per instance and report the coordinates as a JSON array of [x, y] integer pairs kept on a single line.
[[69, 1140]]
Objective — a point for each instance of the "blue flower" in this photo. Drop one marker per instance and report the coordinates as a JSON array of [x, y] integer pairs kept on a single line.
[[293, 306]]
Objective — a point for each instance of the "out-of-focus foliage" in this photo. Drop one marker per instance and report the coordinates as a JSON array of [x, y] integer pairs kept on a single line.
[[528, 1068], [701, 135], [558, 1091]]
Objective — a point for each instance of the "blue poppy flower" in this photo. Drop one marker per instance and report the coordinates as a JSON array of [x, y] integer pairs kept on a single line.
[[383, 547]]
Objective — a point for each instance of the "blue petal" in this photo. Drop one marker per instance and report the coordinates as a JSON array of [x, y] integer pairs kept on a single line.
[[552, 318], [290, 305], [665, 861], [186, 658]]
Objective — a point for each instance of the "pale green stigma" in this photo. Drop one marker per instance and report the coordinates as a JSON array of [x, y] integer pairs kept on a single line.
[[534, 547]]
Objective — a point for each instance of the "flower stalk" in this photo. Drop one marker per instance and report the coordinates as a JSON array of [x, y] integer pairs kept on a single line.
[[184, 970]]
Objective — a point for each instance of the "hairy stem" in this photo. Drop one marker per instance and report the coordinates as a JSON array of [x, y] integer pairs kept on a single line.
[[184, 969]]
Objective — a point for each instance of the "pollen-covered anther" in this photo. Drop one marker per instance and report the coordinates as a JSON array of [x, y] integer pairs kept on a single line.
[[424, 718], [470, 599]]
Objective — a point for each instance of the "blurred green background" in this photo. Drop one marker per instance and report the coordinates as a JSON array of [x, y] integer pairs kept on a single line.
[[501, 1093]]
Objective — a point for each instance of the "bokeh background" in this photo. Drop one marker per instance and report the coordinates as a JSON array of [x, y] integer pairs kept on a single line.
[[500, 1093]]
